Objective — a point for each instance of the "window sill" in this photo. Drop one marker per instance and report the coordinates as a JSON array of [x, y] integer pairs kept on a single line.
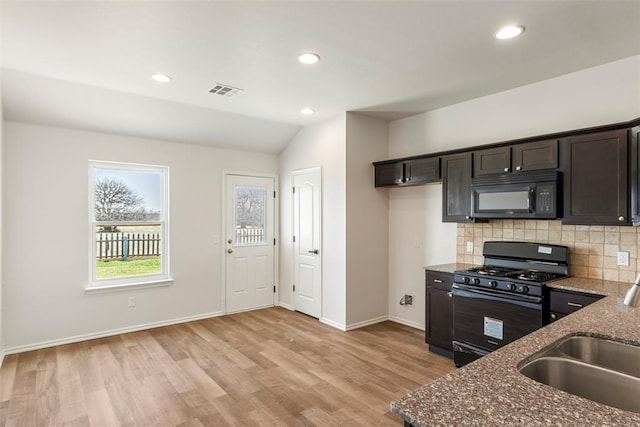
[[126, 286]]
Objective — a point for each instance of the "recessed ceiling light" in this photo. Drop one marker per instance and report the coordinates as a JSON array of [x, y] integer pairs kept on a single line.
[[307, 111], [161, 78], [509, 32], [308, 58]]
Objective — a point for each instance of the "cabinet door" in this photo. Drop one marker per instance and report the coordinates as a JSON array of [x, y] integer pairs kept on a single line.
[[635, 175], [440, 319], [389, 174], [456, 188], [596, 182], [420, 171], [535, 155], [563, 302], [492, 161]]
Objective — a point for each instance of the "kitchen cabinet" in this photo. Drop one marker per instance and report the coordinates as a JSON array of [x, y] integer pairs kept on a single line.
[[439, 312], [528, 156], [634, 136], [407, 172], [596, 179], [456, 188], [564, 302]]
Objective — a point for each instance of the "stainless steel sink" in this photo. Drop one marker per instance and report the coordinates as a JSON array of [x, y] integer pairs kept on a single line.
[[597, 369], [609, 354], [589, 381]]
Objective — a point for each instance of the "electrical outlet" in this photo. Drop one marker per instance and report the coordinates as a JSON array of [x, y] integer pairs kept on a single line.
[[469, 246], [132, 302], [623, 258], [406, 300]]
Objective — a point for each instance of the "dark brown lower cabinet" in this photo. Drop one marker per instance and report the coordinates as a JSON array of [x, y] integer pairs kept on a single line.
[[439, 313], [563, 302]]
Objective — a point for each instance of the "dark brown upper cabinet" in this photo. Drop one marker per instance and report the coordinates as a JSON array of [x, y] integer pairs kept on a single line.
[[407, 172], [389, 174], [456, 188], [596, 178], [516, 158], [634, 138]]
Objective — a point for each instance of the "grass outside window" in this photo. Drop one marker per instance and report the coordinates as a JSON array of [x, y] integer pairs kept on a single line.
[[132, 267]]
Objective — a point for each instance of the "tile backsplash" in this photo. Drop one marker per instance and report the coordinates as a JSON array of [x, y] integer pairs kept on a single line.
[[593, 250]]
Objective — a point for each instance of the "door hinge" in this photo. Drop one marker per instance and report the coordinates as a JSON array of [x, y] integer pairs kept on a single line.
[[294, 190], [274, 194], [274, 289], [294, 288], [274, 241], [294, 239]]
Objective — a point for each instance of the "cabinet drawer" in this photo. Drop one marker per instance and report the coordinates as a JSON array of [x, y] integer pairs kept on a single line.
[[568, 302], [439, 280]]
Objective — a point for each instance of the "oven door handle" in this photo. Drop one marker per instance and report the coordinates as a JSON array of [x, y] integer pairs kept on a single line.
[[461, 290]]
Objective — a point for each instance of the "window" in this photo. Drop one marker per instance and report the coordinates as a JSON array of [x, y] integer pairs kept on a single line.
[[128, 210], [250, 215]]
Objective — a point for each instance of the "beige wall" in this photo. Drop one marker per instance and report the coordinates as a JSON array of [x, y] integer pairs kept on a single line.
[[367, 212], [593, 250], [46, 205]]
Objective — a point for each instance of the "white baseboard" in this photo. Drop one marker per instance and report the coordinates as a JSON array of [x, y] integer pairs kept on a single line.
[[243, 310], [364, 323], [1, 357], [333, 324], [86, 337], [407, 322], [285, 305]]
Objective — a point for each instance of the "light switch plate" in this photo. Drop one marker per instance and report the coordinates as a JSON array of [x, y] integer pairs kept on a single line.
[[623, 258]]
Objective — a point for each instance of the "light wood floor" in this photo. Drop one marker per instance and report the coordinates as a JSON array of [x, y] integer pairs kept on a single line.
[[265, 367]]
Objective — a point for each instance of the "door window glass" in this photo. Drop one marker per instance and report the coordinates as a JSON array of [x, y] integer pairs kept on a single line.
[[250, 215]]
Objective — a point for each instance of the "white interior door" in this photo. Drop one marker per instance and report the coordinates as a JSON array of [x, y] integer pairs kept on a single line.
[[307, 231], [249, 243]]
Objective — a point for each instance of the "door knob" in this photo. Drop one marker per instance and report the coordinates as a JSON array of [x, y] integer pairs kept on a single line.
[[315, 251], [229, 251]]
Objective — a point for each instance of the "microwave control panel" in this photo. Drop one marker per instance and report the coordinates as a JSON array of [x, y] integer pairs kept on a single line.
[[544, 198]]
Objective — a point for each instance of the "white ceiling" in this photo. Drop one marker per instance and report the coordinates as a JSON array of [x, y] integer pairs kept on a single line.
[[87, 64]]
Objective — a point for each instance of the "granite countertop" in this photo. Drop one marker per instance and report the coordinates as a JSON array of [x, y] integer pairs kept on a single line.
[[491, 390], [449, 268]]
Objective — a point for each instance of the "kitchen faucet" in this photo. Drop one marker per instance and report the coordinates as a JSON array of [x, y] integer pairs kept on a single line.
[[632, 298]]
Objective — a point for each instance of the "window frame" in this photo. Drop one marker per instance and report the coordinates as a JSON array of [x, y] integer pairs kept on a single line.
[[161, 278]]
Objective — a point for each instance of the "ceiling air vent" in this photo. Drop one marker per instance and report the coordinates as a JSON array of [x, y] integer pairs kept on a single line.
[[225, 90]]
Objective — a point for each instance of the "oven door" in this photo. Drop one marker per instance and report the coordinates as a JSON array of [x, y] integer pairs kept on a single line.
[[488, 320]]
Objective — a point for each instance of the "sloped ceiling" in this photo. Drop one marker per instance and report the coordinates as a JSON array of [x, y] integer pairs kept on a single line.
[[87, 65]]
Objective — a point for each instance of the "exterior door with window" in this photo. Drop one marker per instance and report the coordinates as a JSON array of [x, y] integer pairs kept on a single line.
[[307, 296], [249, 242]]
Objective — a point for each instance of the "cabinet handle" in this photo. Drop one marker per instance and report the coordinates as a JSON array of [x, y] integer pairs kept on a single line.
[[467, 217], [506, 169], [437, 281], [554, 316], [574, 304], [621, 218], [450, 294], [518, 168]]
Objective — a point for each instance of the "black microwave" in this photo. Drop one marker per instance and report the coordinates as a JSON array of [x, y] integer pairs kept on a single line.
[[533, 194]]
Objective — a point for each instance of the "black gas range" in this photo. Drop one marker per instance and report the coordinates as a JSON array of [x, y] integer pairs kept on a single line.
[[504, 299]]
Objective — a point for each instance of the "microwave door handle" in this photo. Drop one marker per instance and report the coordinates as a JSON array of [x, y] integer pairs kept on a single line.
[[531, 200]]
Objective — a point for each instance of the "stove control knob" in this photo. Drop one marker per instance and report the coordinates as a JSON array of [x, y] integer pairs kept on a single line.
[[476, 281], [525, 289], [512, 287], [465, 280], [493, 283]]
